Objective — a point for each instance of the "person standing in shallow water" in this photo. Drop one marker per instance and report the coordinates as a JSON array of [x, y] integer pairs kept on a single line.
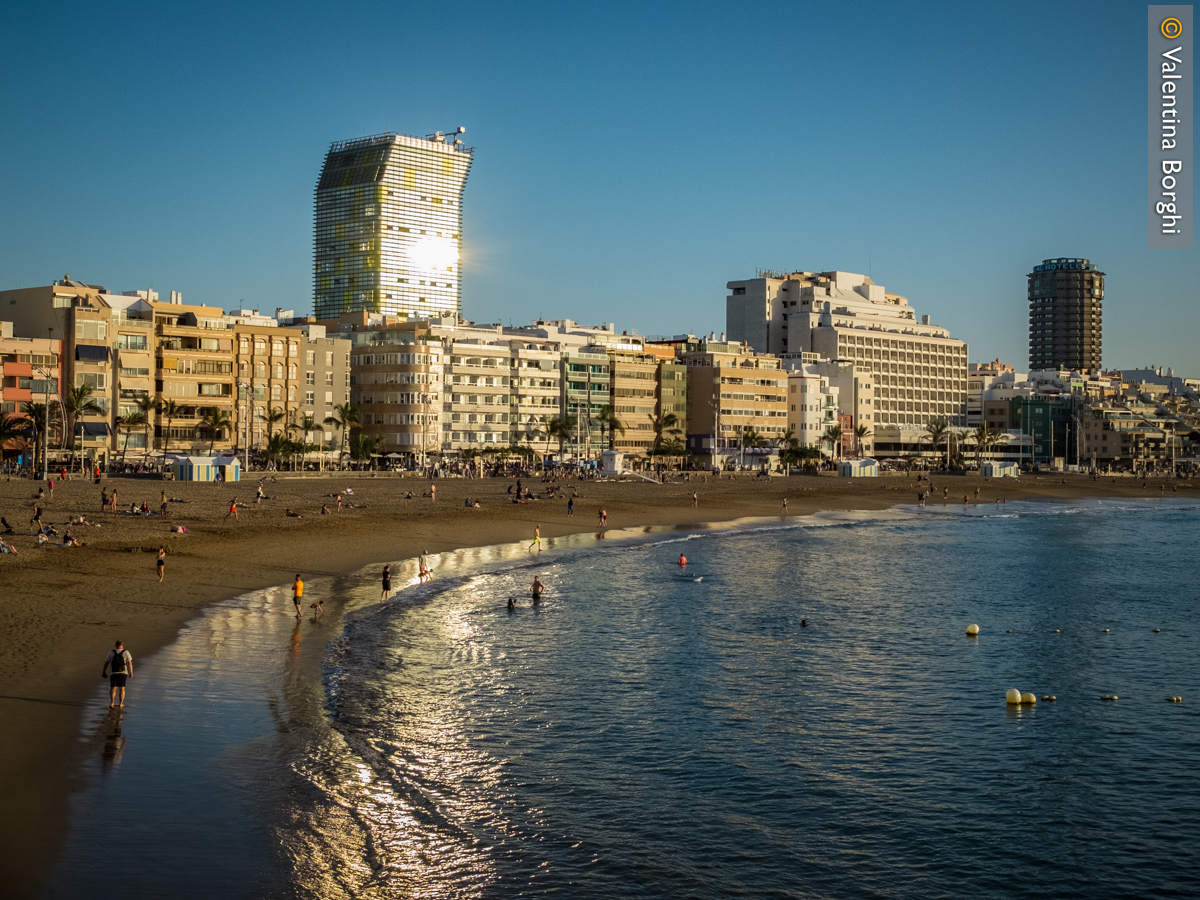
[[121, 663], [297, 593], [536, 589], [387, 583]]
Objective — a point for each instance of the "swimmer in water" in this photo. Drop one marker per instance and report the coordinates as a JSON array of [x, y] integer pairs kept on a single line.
[[682, 561], [512, 604], [803, 623], [536, 589]]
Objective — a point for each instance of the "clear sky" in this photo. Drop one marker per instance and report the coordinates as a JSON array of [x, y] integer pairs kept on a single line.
[[631, 157]]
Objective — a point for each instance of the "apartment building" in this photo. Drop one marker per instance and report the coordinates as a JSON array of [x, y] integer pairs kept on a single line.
[[586, 388], [30, 372], [396, 372], [477, 403], [812, 404], [730, 390]]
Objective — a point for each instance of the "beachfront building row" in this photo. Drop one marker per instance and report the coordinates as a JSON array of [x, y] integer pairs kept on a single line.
[[201, 379], [451, 388]]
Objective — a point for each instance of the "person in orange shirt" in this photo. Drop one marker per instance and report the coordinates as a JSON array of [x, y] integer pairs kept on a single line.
[[297, 593]]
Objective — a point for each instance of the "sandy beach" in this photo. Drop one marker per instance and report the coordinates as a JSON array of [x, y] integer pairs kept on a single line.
[[62, 608]]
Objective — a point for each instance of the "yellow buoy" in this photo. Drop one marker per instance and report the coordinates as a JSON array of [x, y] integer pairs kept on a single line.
[[1028, 697], [972, 630], [1058, 631], [1049, 698], [1157, 630], [1013, 696], [1106, 631]]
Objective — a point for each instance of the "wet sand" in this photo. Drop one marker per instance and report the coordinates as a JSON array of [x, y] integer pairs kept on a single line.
[[62, 608]]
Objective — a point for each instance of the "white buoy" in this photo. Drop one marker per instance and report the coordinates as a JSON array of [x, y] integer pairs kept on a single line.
[[972, 630], [1028, 697], [1013, 697]]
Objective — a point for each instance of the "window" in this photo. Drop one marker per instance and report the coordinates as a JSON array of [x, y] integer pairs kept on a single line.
[[276, 392], [329, 378], [310, 377], [310, 357], [291, 371], [329, 397], [277, 370], [329, 357], [309, 398]]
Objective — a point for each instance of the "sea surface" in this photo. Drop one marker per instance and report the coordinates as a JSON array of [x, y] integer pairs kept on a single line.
[[798, 713]]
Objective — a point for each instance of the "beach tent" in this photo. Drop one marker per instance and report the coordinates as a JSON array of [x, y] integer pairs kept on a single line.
[[194, 468], [858, 468], [993, 469], [230, 467]]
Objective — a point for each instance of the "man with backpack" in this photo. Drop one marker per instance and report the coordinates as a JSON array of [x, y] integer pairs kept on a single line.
[[121, 663]]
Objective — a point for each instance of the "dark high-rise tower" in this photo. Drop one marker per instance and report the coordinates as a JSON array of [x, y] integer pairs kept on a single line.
[[1065, 297]]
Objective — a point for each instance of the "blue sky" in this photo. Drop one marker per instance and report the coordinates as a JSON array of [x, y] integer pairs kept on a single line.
[[631, 158]]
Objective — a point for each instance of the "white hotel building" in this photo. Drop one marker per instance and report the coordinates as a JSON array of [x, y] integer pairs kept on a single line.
[[918, 372]]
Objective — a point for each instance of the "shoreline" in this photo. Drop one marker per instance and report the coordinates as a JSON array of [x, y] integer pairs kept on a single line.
[[62, 608]]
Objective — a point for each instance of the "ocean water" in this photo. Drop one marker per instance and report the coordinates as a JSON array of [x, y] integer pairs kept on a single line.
[[652, 732]]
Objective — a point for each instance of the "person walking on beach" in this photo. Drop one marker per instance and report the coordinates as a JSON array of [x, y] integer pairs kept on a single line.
[[112, 500], [233, 512], [785, 506], [433, 493], [50, 484], [297, 593], [603, 517], [121, 663], [258, 494], [387, 584], [161, 562], [103, 499], [423, 572], [537, 538], [695, 499], [571, 507]]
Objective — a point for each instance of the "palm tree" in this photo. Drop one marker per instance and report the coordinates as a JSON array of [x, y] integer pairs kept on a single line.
[[145, 405], [362, 446], [216, 419], [937, 433], [274, 417], [985, 438], [13, 427], [78, 402], [559, 428], [37, 416], [833, 436], [343, 417], [667, 423], [607, 417], [168, 410], [129, 422], [861, 433], [751, 439], [277, 445]]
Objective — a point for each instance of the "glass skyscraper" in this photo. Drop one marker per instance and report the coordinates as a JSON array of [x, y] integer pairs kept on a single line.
[[388, 226]]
